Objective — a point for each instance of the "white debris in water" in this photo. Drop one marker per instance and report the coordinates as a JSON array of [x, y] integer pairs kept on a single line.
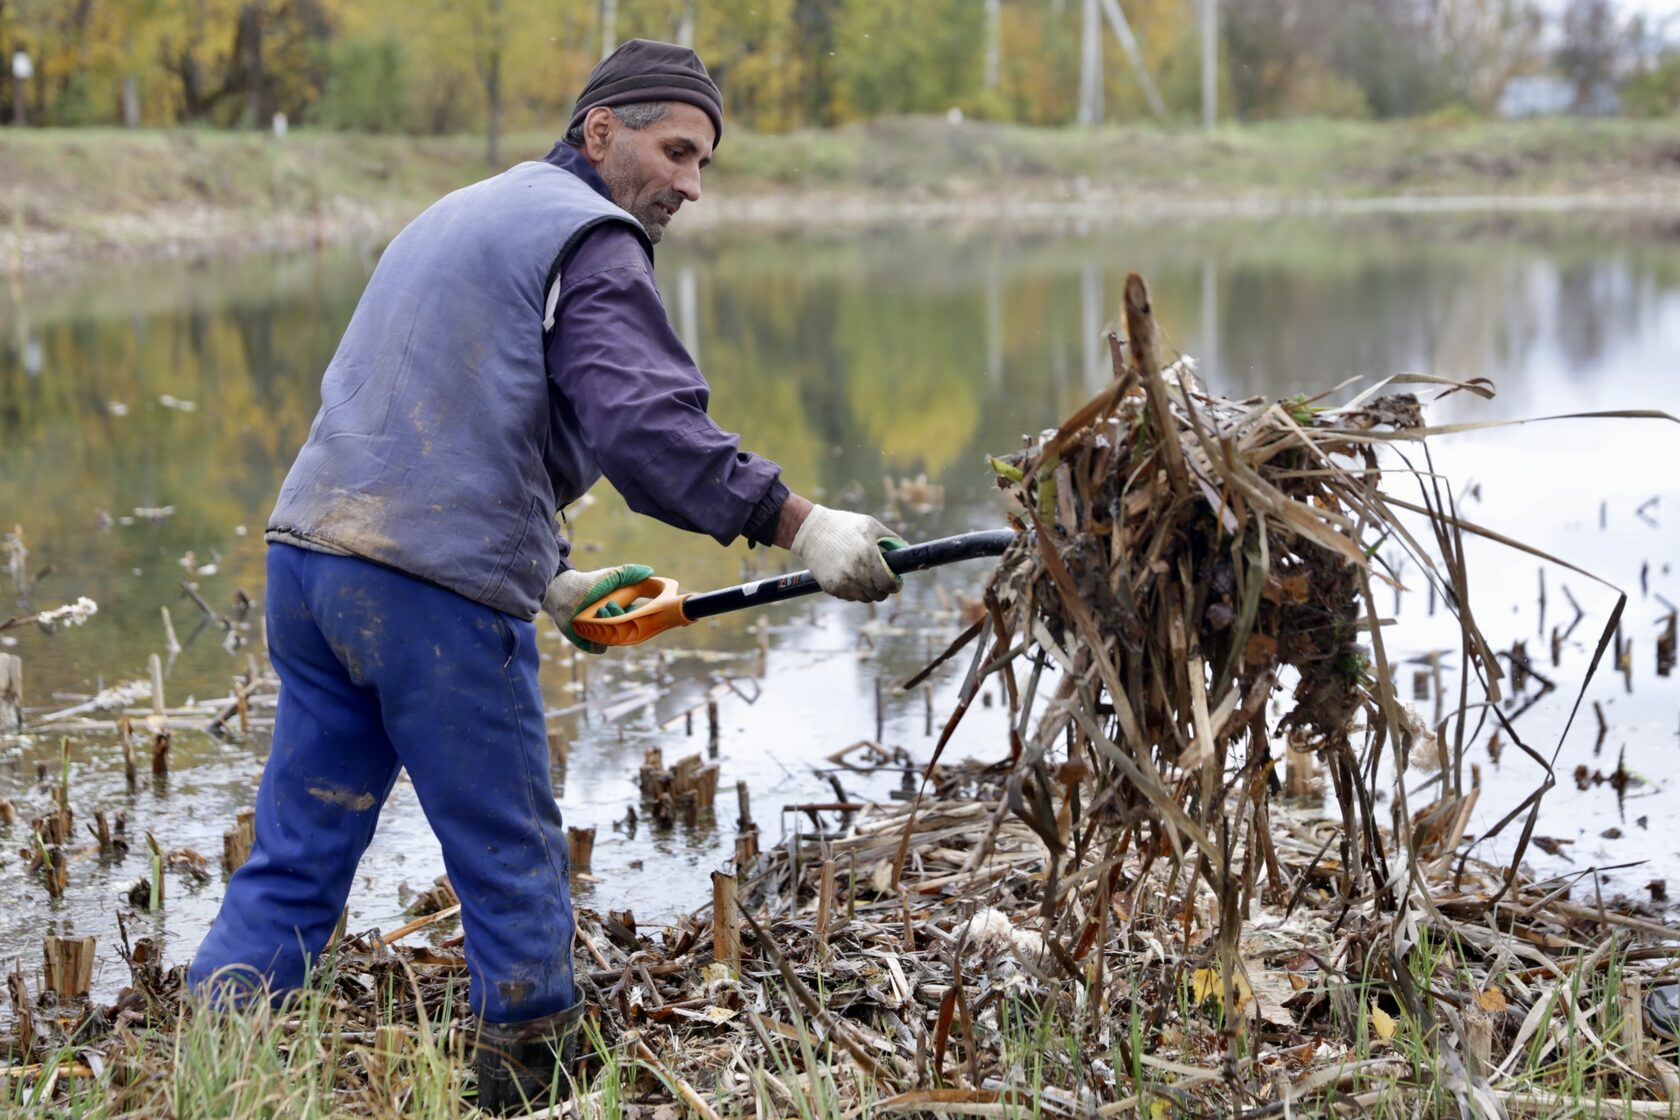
[[71, 614]]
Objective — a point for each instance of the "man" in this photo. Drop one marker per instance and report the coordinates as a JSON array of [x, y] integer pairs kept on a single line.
[[510, 348]]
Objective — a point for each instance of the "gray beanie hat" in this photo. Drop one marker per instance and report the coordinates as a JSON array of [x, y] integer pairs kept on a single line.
[[646, 70]]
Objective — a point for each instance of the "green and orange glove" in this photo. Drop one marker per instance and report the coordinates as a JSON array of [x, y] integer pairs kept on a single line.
[[572, 591]]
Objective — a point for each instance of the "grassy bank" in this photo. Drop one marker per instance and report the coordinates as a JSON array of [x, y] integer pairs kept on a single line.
[[69, 195]]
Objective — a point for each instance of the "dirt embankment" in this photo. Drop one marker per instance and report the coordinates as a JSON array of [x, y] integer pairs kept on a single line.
[[77, 195]]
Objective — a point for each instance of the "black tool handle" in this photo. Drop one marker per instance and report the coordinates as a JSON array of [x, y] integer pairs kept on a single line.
[[915, 558]]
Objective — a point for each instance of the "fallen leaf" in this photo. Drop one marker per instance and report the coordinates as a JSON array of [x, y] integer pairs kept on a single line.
[[1206, 984], [1491, 1000], [1383, 1023]]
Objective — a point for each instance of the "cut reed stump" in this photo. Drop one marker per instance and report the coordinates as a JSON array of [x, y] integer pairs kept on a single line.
[[11, 694], [743, 802], [652, 773], [237, 841], [56, 827], [581, 843], [726, 920], [68, 968], [55, 872], [688, 789], [746, 850], [101, 829], [125, 736], [23, 1010]]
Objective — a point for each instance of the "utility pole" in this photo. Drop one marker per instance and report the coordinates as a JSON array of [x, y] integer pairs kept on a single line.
[[1129, 44], [131, 80], [1210, 63], [994, 42], [1090, 67], [609, 27], [22, 71], [685, 27]]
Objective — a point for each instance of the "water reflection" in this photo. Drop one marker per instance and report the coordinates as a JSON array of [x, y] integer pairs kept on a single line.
[[846, 360]]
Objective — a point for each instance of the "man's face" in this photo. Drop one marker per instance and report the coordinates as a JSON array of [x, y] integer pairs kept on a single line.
[[652, 170]]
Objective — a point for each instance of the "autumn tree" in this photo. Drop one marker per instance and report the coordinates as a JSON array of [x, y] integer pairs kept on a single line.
[[915, 58], [442, 66], [1591, 47]]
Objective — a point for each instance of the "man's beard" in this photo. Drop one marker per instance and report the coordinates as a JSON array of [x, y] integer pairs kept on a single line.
[[653, 218], [648, 212]]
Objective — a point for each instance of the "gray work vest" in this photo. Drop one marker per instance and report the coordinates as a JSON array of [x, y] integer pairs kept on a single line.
[[428, 453]]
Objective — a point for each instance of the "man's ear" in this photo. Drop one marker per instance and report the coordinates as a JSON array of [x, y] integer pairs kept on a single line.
[[598, 127]]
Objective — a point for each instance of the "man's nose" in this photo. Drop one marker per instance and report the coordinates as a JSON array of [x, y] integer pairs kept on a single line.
[[687, 183]]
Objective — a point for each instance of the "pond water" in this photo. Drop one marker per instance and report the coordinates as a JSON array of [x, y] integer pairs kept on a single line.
[[188, 388]]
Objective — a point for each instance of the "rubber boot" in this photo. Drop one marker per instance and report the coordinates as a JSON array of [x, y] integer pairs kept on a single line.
[[518, 1063]]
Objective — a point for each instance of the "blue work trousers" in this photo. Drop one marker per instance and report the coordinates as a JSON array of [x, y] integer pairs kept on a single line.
[[380, 671]]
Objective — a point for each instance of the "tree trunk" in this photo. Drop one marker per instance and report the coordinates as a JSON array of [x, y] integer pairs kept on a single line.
[[251, 57], [6, 49], [189, 71], [495, 36], [994, 42]]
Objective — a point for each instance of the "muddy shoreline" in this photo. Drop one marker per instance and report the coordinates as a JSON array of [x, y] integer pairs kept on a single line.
[[202, 235]]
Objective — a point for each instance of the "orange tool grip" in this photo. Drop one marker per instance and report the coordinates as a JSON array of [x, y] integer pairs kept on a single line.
[[664, 612]]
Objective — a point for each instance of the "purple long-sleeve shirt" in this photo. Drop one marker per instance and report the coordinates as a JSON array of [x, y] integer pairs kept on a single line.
[[626, 395]]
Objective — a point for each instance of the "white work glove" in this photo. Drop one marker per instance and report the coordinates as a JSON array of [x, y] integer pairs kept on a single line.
[[843, 550], [571, 591]]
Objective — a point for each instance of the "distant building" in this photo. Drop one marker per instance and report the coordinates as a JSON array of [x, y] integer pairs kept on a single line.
[[1547, 95]]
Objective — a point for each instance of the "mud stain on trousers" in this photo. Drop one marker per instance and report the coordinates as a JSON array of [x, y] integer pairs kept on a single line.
[[338, 795]]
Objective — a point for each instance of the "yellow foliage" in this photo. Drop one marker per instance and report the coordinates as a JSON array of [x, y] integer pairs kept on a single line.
[[1206, 984], [782, 64]]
